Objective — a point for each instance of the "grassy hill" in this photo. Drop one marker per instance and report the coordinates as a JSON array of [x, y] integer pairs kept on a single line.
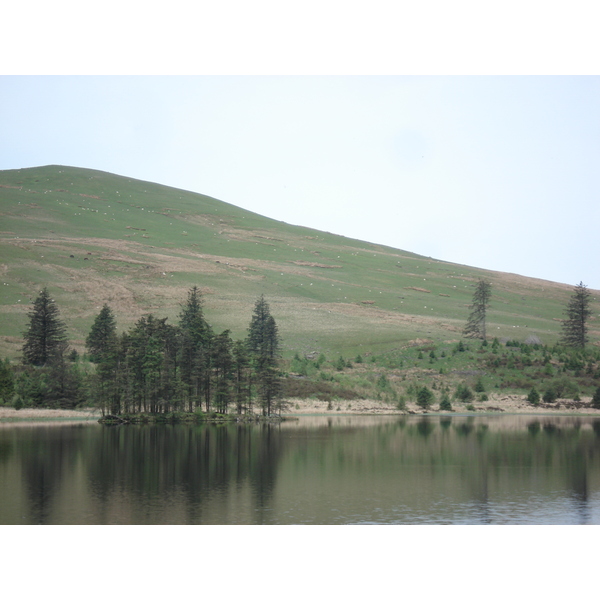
[[93, 237]]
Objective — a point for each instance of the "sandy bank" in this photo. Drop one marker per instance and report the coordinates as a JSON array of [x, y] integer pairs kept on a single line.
[[497, 404], [8, 414]]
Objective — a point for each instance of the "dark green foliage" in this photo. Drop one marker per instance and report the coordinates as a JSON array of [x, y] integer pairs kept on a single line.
[[463, 392], [103, 335], [45, 338], [596, 398], [533, 397], [223, 370], [242, 391], [563, 387], [7, 382], [578, 312], [58, 385], [479, 387], [425, 397], [445, 403], [476, 323], [382, 383], [263, 348], [194, 353], [340, 363], [549, 395], [460, 347]]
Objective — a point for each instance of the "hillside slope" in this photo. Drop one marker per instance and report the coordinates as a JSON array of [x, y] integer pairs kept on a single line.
[[93, 237]]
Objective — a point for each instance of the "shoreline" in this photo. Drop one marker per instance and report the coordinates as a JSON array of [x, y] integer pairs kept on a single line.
[[497, 405]]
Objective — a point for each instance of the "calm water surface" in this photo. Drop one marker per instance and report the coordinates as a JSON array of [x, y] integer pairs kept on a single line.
[[314, 470]]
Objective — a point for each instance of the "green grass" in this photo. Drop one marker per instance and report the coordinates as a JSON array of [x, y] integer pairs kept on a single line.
[[93, 237]]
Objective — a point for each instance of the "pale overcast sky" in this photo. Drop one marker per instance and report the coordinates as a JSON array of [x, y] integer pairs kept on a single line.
[[498, 172]]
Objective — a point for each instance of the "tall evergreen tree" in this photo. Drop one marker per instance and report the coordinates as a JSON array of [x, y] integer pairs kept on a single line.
[[263, 347], [46, 337], [263, 335], [195, 335], [475, 327], [222, 367], [578, 312], [241, 377], [103, 334]]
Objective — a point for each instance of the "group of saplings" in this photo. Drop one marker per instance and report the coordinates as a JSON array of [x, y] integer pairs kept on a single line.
[[154, 367]]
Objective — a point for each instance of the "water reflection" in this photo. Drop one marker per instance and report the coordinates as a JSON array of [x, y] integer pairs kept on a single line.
[[334, 469]]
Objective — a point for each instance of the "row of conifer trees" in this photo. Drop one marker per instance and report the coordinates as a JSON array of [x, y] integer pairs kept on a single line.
[[155, 366]]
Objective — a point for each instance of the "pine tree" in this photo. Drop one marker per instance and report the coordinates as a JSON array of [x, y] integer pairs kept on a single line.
[[263, 335], [194, 351], [596, 398], [7, 382], [263, 347], [46, 338], [475, 327], [241, 368], [222, 366], [578, 312], [103, 334]]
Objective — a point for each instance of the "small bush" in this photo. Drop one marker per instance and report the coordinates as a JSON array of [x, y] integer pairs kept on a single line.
[[425, 397], [596, 398], [18, 403], [463, 392], [445, 403], [479, 387], [471, 407], [533, 397]]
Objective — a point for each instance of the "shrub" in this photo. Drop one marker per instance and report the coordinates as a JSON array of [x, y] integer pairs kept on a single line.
[[549, 395], [445, 403], [463, 392], [425, 397], [401, 403], [479, 387], [471, 407], [383, 383], [596, 398], [564, 388], [533, 397]]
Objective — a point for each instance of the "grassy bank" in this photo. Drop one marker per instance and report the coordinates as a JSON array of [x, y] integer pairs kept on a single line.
[[96, 238]]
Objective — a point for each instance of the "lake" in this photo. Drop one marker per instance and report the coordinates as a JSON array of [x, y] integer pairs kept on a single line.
[[314, 470]]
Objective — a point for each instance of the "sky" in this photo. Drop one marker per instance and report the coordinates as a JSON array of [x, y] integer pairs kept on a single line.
[[497, 172], [494, 170]]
